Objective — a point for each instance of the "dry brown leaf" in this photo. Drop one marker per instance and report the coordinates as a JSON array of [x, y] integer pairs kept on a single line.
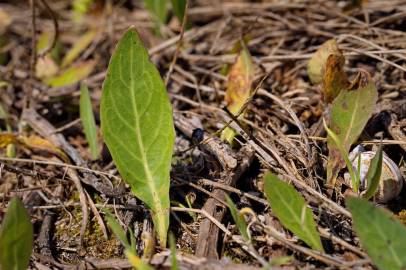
[[316, 65], [239, 82], [37, 143], [6, 139], [239, 87], [334, 80]]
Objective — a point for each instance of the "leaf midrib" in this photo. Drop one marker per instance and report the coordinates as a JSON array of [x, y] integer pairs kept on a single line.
[[145, 163]]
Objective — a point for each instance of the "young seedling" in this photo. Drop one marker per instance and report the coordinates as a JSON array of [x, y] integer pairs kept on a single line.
[[137, 126]]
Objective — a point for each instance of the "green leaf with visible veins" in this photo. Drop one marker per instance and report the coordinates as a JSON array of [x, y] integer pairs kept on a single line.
[[16, 237], [137, 126], [291, 210], [350, 113], [380, 233]]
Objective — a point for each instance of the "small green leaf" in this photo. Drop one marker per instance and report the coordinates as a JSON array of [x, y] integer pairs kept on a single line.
[[172, 246], [16, 237], [71, 75], [80, 45], [291, 210], [158, 9], [178, 7], [238, 219], [89, 124], [374, 174], [137, 125], [380, 233], [350, 112]]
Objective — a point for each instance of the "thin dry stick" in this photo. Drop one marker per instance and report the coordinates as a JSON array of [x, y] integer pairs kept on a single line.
[[293, 116], [379, 58], [211, 183], [329, 235], [351, 38], [178, 46], [362, 142], [319, 256], [60, 164], [97, 215], [68, 125]]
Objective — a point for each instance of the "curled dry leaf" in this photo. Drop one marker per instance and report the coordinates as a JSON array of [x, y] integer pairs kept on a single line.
[[239, 87], [6, 139], [39, 144], [316, 65], [327, 66], [32, 142], [334, 80]]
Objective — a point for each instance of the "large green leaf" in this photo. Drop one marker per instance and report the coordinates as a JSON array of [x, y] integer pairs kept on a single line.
[[291, 210], [380, 233], [137, 125], [88, 122], [350, 112], [16, 237]]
